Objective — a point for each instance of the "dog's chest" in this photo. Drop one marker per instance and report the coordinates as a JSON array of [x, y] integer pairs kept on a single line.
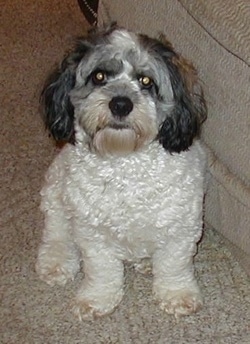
[[119, 193], [130, 201], [126, 196], [119, 201]]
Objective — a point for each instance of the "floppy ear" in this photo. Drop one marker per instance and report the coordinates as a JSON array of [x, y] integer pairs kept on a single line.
[[182, 125], [58, 110]]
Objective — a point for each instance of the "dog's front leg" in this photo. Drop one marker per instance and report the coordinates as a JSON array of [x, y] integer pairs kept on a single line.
[[174, 283], [102, 288]]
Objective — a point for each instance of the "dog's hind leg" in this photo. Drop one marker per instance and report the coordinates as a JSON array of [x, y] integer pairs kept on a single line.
[[58, 257]]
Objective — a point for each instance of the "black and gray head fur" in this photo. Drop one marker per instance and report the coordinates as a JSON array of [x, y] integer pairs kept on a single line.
[[120, 89]]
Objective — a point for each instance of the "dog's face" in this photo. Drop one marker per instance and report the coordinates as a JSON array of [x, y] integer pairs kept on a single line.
[[120, 91]]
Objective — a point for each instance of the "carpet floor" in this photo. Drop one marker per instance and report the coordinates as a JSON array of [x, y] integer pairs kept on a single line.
[[34, 36]]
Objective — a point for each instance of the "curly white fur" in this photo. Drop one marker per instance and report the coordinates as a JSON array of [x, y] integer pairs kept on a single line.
[[130, 186], [147, 204]]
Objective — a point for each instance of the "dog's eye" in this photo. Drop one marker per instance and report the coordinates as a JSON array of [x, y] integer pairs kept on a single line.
[[146, 81], [99, 77]]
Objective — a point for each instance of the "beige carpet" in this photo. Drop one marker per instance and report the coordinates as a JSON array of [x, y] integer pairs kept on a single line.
[[34, 35]]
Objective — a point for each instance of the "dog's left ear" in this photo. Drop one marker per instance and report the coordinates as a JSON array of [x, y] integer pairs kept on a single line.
[[58, 111], [182, 125]]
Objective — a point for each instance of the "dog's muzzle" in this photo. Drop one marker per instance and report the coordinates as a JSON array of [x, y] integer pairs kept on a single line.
[[121, 106]]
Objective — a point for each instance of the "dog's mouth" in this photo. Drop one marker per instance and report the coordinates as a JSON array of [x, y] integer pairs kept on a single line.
[[119, 126], [121, 138], [115, 139], [116, 126]]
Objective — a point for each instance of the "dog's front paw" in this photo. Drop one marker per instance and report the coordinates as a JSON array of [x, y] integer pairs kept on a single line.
[[181, 302], [87, 307], [57, 264]]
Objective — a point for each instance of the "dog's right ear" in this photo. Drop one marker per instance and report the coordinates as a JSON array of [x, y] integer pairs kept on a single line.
[[58, 111]]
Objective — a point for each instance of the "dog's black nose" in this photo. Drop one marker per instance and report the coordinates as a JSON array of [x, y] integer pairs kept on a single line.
[[120, 106]]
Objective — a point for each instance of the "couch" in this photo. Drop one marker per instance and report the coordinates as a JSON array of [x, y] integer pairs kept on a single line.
[[215, 35]]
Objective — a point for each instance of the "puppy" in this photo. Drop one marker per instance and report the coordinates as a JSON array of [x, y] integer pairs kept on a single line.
[[128, 185]]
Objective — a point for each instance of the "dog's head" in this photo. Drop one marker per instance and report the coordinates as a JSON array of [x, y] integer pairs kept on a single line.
[[119, 91]]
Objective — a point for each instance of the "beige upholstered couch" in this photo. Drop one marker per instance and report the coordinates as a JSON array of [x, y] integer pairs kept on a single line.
[[215, 35]]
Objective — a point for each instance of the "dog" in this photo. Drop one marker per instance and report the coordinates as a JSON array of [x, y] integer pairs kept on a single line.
[[128, 184]]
